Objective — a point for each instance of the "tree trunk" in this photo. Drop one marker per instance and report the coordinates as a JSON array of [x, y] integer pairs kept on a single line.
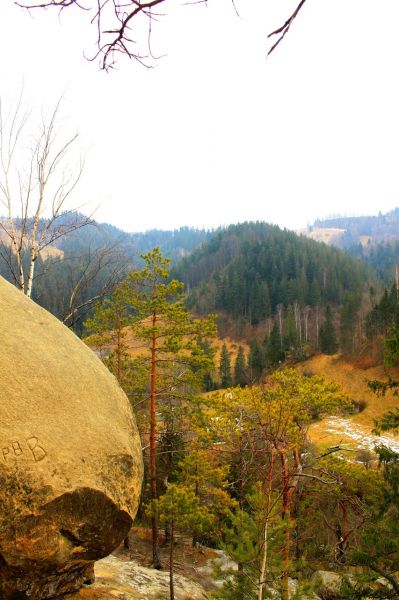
[[286, 518], [31, 273], [280, 324], [118, 355], [194, 540], [339, 548], [167, 533], [172, 543], [265, 548], [153, 473], [289, 488]]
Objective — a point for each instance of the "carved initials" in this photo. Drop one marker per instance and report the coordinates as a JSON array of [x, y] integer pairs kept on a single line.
[[15, 450], [38, 452]]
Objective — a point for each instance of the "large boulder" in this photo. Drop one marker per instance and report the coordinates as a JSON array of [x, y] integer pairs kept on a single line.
[[70, 456], [328, 584]]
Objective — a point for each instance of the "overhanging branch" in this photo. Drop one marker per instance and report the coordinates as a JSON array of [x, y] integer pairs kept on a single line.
[[284, 29]]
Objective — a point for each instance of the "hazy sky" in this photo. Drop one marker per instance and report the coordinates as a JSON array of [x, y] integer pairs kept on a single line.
[[215, 133]]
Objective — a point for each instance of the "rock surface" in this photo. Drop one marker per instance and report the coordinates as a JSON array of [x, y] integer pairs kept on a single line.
[[127, 580], [70, 456], [330, 582]]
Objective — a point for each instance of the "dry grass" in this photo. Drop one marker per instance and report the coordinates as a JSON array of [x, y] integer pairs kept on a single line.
[[136, 347], [232, 348], [353, 381], [328, 235]]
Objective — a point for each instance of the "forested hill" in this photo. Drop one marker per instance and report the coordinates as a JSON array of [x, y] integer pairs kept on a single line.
[[249, 269], [173, 244], [347, 232]]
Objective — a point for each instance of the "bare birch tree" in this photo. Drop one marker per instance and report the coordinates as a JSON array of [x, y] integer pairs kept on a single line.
[[36, 180]]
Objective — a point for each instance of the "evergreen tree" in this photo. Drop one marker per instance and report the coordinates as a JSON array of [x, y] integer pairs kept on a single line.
[[291, 339], [349, 314], [273, 353], [173, 362], [225, 368], [240, 377], [384, 314], [209, 383], [327, 337], [180, 507], [256, 361]]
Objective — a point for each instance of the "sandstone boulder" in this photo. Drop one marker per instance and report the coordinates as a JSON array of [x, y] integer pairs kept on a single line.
[[70, 456]]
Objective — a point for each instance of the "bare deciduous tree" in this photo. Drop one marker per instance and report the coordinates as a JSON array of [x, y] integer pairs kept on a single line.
[[107, 264], [35, 184]]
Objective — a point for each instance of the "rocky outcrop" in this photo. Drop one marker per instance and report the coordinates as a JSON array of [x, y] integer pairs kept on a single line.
[[70, 456], [127, 580], [328, 583]]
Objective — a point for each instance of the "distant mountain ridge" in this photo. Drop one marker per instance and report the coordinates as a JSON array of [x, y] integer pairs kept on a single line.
[[88, 261], [345, 232], [372, 239], [174, 244]]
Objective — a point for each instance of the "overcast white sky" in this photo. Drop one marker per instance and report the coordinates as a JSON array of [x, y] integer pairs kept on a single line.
[[217, 134]]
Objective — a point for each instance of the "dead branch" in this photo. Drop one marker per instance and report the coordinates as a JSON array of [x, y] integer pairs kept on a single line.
[[117, 32], [114, 21], [283, 30]]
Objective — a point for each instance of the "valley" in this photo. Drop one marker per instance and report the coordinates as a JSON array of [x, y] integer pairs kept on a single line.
[[245, 354]]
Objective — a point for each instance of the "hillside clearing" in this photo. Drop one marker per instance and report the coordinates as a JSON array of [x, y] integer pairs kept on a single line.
[[356, 431]]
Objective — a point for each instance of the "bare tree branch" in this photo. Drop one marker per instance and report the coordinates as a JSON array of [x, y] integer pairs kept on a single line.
[[103, 260], [114, 21], [34, 189], [118, 30], [284, 29]]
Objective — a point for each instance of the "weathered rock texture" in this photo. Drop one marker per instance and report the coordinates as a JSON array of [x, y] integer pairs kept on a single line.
[[127, 580], [70, 457]]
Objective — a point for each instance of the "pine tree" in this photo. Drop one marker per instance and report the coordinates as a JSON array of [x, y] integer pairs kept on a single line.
[[327, 337], [291, 340], [273, 352], [256, 361], [180, 507], [349, 314], [240, 377], [225, 368], [109, 328], [173, 361], [209, 383]]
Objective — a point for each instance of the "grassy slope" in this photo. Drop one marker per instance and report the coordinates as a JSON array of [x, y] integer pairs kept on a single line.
[[136, 347], [354, 383]]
